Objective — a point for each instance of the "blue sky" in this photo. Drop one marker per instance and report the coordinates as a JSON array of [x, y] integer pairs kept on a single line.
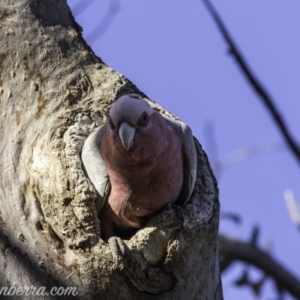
[[174, 53]]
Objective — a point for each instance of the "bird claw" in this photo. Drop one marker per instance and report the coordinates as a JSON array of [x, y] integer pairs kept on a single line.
[[117, 247]]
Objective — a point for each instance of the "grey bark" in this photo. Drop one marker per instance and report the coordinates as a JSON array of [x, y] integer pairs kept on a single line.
[[54, 91]]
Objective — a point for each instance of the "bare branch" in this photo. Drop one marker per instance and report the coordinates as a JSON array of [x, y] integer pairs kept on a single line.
[[292, 207], [257, 86], [244, 153], [107, 20], [81, 6], [248, 252], [211, 142]]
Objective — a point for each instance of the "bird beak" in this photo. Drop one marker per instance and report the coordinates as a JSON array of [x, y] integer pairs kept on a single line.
[[126, 133]]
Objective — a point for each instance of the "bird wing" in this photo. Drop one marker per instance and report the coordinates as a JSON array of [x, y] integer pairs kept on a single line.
[[94, 164], [189, 159]]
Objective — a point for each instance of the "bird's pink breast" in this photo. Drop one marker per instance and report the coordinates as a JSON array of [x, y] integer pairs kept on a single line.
[[139, 189]]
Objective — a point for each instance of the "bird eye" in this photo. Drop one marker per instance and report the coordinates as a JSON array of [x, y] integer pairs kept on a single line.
[[144, 120], [111, 124]]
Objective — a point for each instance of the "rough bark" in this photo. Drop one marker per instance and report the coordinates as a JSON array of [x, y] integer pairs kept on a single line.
[[54, 91]]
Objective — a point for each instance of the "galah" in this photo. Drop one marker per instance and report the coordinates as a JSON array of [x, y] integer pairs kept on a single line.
[[139, 162]]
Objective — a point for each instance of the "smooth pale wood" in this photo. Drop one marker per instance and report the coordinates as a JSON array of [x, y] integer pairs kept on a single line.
[[53, 92]]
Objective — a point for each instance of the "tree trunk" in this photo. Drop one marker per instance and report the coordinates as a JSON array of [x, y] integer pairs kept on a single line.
[[53, 92]]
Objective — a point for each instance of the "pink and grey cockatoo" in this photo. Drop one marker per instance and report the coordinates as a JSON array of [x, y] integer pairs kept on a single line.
[[138, 163]]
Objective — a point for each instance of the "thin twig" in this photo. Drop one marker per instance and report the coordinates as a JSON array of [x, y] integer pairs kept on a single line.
[[292, 207], [113, 10], [81, 6], [244, 153], [257, 86], [211, 142], [250, 253]]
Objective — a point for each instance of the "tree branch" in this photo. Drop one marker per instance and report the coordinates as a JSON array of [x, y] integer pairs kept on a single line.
[[292, 207], [244, 153], [113, 10], [249, 253], [257, 86], [80, 7]]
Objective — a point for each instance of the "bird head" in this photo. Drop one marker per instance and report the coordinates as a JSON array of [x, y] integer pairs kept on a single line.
[[134, 125]]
